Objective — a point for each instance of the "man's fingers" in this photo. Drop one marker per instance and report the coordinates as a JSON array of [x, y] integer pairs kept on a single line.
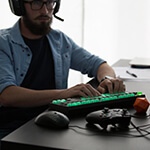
[[87, 90]]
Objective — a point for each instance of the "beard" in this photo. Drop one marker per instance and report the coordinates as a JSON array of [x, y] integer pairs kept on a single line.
[[37, 29]]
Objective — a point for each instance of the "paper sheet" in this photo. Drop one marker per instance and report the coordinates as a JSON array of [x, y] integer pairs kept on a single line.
[[142, 74]]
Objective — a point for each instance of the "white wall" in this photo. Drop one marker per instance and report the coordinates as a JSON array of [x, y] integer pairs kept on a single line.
[[7, 19], [117, 29], [112, 29]]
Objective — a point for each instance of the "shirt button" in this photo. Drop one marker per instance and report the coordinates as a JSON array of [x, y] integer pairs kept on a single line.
[[21, 75]]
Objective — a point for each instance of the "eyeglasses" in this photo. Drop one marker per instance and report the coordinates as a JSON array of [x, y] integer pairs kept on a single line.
[[38, 4]]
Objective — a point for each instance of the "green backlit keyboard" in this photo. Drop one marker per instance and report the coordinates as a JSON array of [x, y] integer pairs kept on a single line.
[[75, 106]]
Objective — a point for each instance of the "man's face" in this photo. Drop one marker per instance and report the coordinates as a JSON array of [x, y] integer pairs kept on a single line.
[[38, 21]]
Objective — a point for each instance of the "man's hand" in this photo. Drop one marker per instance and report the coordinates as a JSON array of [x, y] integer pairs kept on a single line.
[[84, 90], [111, 86]]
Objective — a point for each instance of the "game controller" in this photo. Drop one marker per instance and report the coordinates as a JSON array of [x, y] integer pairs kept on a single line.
[[105, 117]]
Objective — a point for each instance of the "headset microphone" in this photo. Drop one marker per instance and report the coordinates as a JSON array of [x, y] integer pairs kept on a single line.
[[58, 18]]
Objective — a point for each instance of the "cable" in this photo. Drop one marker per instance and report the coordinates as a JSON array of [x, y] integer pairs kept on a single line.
[[116, 131], [139, 129], [140, 116]]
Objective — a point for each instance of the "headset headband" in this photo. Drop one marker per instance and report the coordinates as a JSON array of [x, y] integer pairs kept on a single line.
[[17, 8]]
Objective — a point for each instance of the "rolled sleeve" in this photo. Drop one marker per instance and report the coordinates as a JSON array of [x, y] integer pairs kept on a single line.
[[7, 77], [84, 61]]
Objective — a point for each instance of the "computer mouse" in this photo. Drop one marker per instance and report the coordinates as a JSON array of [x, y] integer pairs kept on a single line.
[[52, 119]]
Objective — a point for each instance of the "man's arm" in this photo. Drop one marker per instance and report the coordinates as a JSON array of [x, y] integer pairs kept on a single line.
[[15, 96], [108, 81], [105, 70]]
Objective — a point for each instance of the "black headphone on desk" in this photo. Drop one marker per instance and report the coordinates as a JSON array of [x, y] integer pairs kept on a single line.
[[17, 8]]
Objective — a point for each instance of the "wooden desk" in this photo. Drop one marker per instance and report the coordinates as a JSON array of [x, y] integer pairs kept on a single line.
[[33, 137]]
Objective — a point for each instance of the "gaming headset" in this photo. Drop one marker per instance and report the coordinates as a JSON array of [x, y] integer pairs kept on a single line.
[[17, 8]]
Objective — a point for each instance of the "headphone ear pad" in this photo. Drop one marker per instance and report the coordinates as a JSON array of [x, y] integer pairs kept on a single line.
[[17, 7], [57, 6]]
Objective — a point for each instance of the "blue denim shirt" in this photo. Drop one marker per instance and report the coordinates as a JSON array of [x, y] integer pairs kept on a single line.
[[15, 58]]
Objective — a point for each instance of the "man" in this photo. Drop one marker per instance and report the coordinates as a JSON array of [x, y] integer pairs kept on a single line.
[[35, 61]]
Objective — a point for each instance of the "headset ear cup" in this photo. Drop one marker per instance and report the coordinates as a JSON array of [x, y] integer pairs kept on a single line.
[[56, 9], [17, 7]]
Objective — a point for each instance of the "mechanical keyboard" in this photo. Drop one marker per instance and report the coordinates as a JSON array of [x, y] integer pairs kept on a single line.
[[84, 105]]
